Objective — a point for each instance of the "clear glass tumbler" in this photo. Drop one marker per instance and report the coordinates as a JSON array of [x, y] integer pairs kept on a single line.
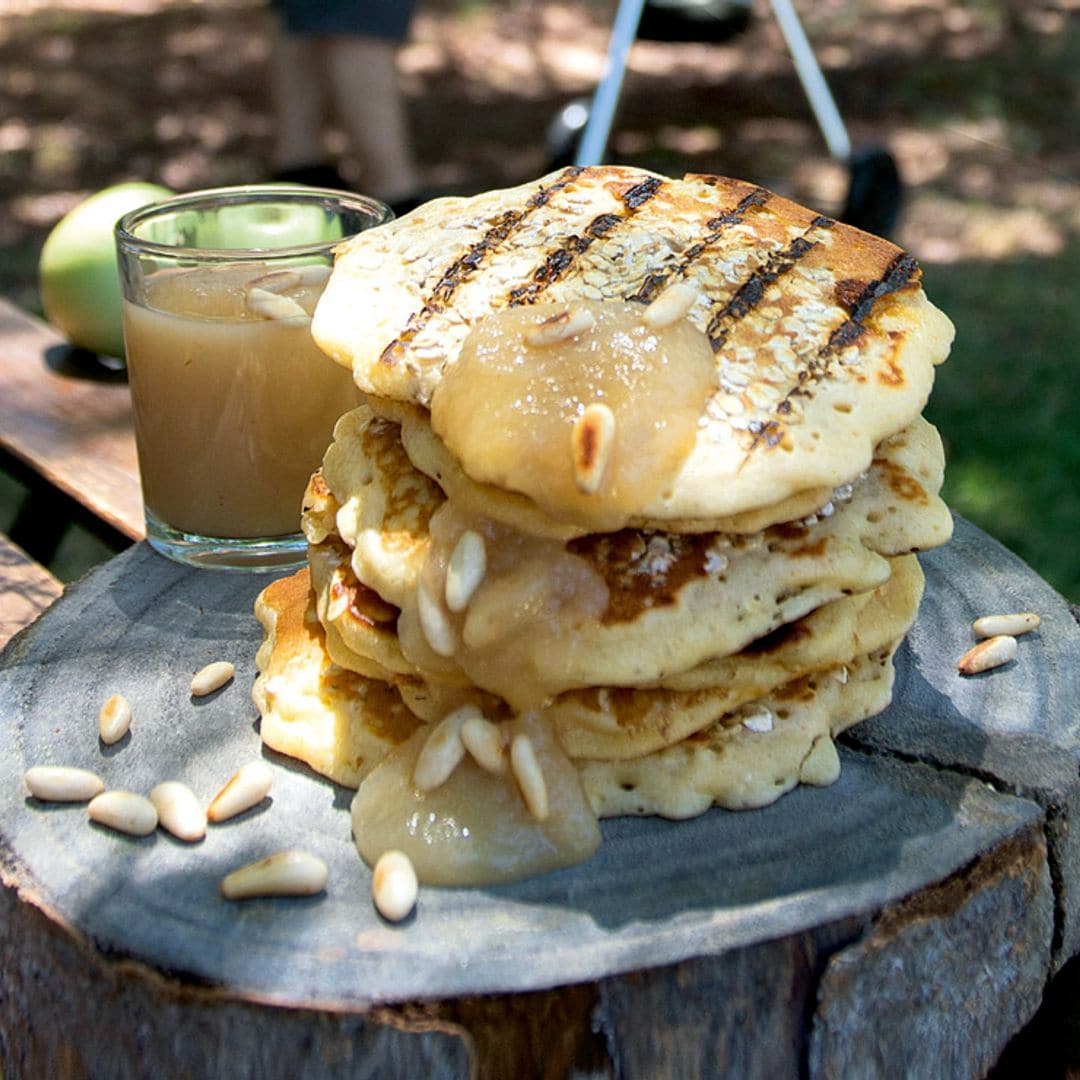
[[234, 404]]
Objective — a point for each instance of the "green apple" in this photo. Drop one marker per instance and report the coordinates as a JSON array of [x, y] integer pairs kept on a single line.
[[77, 274]]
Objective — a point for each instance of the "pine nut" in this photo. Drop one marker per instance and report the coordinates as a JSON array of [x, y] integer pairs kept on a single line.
[[212, 677], [990, 653], [178, 810], [592, 439], [268, 305], [393, 885], [1013, 625], [436, 627], [276, 281], [484, 741], [247, 787], [285, 873], [759, 721], [443, 751], [671, 305], [124, 811], [337, 596], [529, 776], [559, 327], [821, 767], [58, 783], [313, 274], [114, 719], [465, 569]]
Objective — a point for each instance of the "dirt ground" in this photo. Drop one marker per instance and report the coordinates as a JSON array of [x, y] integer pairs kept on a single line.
[[973, 100]]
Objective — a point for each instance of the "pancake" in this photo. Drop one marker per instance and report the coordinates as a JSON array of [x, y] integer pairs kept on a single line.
[[627, 524], [751, 757], [383, 504], [824, 343], [632, 608], [626, 723], [338, 722], [615, 722], [429, 454], [357, 733]]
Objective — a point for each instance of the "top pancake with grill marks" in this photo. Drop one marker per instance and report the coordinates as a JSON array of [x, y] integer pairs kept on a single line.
[[824, 342]]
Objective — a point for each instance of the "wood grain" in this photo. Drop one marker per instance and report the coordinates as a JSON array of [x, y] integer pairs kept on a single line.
[[26, 589], [69, 419]]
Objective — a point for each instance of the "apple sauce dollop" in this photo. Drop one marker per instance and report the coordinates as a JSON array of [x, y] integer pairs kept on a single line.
[[589, 409]]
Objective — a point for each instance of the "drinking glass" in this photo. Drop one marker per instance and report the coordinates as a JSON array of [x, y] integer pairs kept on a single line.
[[234, 404]]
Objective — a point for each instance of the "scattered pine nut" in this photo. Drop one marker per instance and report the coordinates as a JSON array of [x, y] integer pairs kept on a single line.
[[247, 787], [124, 811], [465, 569], [179, 810], [393, 885], [114, 719], [1013, 625], [212, 677], [285, 873], [561, 326], [59, 783], [529, 776], [989, 653], [592, 440], [443, 751], [671, 305]]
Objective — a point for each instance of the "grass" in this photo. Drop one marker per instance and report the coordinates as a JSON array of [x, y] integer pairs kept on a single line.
[[1007, 404]]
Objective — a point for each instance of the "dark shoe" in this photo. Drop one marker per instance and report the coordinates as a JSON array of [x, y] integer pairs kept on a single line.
[[710, 21]]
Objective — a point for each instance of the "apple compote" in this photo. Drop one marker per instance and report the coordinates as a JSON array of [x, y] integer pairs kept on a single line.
[[589, 409], [478, 827]]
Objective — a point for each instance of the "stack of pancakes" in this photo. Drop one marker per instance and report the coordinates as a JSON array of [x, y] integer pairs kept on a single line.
[[626, 524]]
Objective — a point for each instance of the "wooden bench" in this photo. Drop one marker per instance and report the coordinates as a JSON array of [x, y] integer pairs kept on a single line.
[[928, 959], [69, 424]]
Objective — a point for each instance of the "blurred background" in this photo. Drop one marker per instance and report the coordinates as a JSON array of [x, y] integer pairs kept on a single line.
[[976, 101]]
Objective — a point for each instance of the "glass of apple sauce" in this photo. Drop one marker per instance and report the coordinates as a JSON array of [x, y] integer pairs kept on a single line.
[[234, 404]]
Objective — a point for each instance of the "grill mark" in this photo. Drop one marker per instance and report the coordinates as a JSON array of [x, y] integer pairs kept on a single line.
[[557, 262], [468, 263], [902, 267], [900, 271], [750, 292], [654, 283]]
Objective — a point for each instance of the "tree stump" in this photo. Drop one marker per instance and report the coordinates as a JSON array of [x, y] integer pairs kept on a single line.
[[904, 920]]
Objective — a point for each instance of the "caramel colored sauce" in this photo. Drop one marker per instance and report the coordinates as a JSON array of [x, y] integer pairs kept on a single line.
[[507, 408]]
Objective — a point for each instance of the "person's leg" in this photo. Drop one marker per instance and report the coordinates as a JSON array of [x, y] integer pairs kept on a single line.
[[370, 108], [299, 101]]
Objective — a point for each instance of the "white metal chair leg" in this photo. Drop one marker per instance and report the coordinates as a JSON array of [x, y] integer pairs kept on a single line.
[[594, 138], [813, 81]]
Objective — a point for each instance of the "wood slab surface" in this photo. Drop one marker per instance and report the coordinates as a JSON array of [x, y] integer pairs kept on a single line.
[[933, 877], [1016, 727], [68, 417]]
